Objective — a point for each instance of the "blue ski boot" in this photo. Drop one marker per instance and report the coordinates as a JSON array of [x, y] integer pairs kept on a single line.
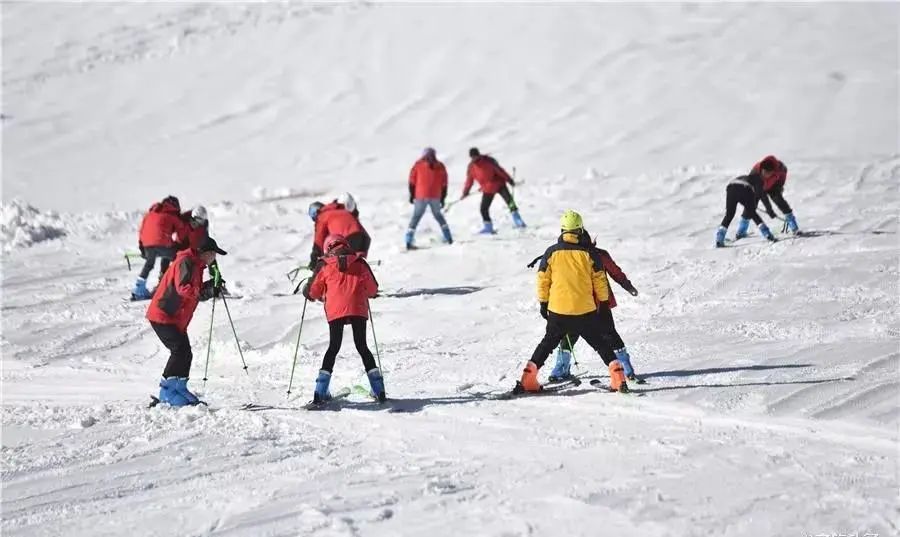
[[791, 221], [743, 225], [169, 393], [561, 369], [764, 231], [448, 238], [410, 233], [376, 381], [322, 394], [182, 389], [720, 236], [488, 229], [517, 219], [140, 291]]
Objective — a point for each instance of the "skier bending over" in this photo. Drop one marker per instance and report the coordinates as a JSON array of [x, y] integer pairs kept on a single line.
[[774, 176], [170, 313], [344, 281], [571, 282], [336, 219], [195, 226], [746, 190], [157, 239]]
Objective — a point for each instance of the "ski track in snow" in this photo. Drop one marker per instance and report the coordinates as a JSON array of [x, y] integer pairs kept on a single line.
[[771, 406]]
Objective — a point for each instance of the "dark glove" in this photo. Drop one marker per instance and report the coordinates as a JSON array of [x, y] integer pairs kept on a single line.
[[631, 290], [209, 289], [305, 292], [412, 199], [544, 309], [443, 202], [513, 183], [141, 248]]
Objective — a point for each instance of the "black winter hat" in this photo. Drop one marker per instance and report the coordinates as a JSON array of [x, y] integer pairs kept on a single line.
[[473, 152]]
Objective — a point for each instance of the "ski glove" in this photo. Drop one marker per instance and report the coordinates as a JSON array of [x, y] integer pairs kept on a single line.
[[631, 290], [141, 248], [544, 309], [209, 289]]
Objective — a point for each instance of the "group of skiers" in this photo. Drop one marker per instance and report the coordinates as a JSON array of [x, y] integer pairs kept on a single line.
[[573, 287]]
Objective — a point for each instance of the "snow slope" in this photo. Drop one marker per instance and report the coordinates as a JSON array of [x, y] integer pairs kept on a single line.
[[772, 403]]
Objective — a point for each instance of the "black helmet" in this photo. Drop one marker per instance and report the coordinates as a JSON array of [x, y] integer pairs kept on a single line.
[[173, 201]]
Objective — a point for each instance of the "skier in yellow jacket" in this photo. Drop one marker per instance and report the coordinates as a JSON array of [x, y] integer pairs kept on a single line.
[[571, 283]]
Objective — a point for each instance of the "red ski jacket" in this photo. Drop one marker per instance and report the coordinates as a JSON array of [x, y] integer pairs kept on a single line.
[[612, 269], [159, 225], [178, 293], [345, 282], [428, 180], [192, 237], [777, 178], [334, 219], [490, 175]]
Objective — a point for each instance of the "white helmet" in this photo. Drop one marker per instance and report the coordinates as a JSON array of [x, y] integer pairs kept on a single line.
[[346, 199], [199, 213]]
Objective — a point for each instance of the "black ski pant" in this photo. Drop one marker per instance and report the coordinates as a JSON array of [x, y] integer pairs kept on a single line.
[[590, 326], [336, 334], [744, 195], [777, 196], [179, 364], [165, 255], [488, 199], [606, 317]]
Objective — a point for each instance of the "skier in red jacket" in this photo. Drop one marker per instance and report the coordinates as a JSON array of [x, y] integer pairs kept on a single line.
[[336, 219], [171, 310], [160, 230], [195, 226], [344, 281], [427, 190], [774, 176], [492, 179]]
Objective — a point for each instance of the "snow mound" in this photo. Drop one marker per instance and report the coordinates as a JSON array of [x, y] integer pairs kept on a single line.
[[24, 225]]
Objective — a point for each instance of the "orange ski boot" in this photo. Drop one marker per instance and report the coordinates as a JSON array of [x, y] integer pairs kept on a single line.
[[617, 377], [529, 380]]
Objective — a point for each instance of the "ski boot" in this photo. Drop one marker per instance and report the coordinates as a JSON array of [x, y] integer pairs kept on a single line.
[[529, 382], [140, 291], [376, 381], [743, 225], [517, 219], [625, 359], [448, 238], [321, 394], [170, 394], [410, 233], [617, 377], [182, 389], [791, 222], [561, 370], [720, 236], [488, 229], [765, 232]]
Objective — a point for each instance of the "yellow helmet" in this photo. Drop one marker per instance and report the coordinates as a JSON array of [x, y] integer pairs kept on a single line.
[[571, 221]]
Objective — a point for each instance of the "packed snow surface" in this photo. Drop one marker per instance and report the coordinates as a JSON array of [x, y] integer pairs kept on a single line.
[[771, 406]]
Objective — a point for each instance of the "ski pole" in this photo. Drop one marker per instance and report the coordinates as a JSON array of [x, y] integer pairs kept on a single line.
[[374, 338], [297, 346], [209, 344], [572, 350], [236, 340]]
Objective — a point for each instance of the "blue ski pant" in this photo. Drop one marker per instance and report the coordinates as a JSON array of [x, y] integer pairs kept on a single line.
[[419, 207]]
